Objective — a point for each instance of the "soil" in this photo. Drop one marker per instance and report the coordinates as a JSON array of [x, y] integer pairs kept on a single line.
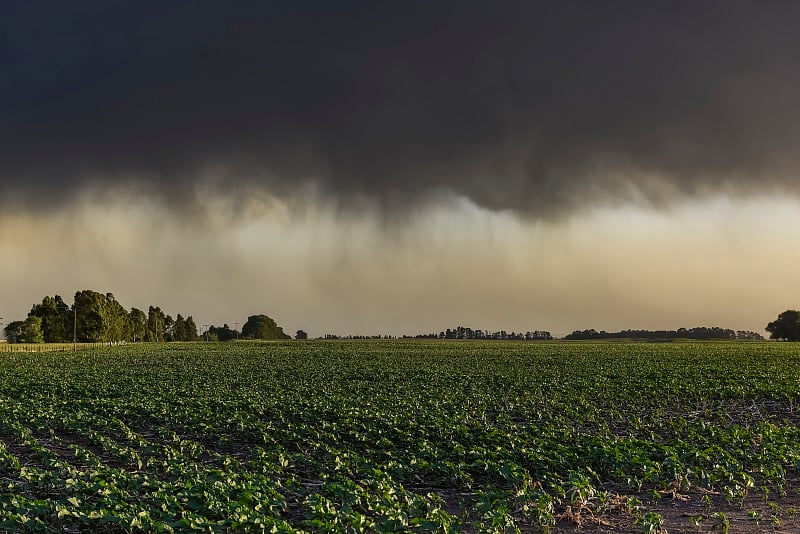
[[685, 513], [776, 514]]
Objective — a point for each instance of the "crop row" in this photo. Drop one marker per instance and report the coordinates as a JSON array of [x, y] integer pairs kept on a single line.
[[387, 436]]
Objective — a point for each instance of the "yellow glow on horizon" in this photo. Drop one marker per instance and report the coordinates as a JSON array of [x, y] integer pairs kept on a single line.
[[718, 262]]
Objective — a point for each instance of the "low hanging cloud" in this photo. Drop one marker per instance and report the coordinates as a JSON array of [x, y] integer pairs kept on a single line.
[[542, 108]]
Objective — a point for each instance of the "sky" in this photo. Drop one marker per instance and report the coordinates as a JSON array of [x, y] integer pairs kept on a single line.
[[404, 167]]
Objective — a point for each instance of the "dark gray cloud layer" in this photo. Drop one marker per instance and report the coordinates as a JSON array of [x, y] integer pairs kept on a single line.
[[539, 107]]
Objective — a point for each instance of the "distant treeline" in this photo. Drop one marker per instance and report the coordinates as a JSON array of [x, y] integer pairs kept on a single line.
[[98, 318], [461, 332], [700, 332]]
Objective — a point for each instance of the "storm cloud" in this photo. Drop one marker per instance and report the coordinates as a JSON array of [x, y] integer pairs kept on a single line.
[[541, 108]]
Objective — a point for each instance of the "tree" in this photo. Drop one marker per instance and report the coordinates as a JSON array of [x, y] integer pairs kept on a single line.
[[169, 328], [183, 329], [56, 319], [115, 319], [137, 324], [13, 330], [190, 329], [179, 329], [100, 317], [262, 327], [786, 326], [155, 324], [301, 334], [27, 331], [221, 333], [32, 330]]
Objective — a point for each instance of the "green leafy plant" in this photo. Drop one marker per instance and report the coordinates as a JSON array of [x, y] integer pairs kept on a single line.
[[722, 522], [387, 436], [652, 523]]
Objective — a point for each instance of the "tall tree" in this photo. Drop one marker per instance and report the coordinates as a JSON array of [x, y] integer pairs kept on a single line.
[[99, 317], [138, 324], [179, 329], [169, 328], [56, 319], [155, 324], [115, 319], [190, 329], [32, 330], [87, 308], [786, 326]]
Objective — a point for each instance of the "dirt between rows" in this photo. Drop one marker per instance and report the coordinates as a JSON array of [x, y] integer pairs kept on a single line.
[[686, 513], [776, 514]]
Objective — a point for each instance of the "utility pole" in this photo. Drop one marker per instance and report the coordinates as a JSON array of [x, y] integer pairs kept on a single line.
[[206, 326], [236, 325]]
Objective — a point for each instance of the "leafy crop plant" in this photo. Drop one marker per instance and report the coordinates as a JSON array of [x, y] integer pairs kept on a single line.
[[396, 436]]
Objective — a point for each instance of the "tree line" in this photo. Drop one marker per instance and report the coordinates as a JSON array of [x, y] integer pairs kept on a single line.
[[462, 332], [700, 332], [99, 318]]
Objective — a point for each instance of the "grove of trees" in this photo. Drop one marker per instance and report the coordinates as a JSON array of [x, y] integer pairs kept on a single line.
[[221, 333], [262, 327], [97, 317]]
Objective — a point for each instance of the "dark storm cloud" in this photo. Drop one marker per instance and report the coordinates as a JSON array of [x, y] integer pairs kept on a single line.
[[539, 107]]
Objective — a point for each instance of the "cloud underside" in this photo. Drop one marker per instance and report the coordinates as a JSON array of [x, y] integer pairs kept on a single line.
[[543, 109]]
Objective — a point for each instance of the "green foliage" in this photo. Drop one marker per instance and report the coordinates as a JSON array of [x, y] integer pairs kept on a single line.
[[183, 329], [56, 319], [189, 330], [27, 331], [156, 325], [12, 331], [721, 522], [32, 330], [652, 523], [137, 325], [100, 318], [786, 326], [262, 327], [221, 333], [387, 436]]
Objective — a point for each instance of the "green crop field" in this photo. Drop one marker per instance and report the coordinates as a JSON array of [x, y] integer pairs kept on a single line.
[[394, 436]]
